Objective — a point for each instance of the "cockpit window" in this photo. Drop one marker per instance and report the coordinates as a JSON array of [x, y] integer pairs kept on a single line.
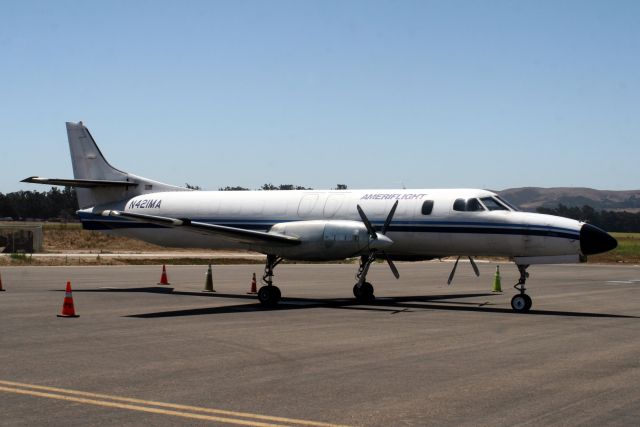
[[474, 205], [427, 207], [510, 205], [469, 205], [493, 204]]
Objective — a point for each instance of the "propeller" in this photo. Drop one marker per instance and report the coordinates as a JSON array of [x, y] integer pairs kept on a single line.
[[453, 272], [392, 266], [389, 218], [455, 265], [367, 224], [378, 241]]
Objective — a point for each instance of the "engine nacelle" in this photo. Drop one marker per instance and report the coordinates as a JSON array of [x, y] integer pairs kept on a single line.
[[324, 240]]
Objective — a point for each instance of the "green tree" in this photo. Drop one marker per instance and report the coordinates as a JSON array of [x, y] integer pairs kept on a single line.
[[227, 188]]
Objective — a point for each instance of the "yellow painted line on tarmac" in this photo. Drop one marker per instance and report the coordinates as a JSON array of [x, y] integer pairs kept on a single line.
[[137, 405]]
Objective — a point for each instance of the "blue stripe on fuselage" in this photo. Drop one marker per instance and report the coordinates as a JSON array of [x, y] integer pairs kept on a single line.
[[97, 222]]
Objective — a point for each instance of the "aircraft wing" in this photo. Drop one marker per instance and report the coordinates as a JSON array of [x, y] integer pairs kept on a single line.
[[229, 233]]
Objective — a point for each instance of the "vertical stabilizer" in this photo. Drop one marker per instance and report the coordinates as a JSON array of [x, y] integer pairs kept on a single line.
[[89, 163], [86, 158]]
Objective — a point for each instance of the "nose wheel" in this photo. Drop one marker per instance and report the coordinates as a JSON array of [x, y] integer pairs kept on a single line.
[[522, 302], [269, 295]]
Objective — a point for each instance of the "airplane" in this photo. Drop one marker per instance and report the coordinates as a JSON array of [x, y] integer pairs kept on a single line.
[[324, 225]]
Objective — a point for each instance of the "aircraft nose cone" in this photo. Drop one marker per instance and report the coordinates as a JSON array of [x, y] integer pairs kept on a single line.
[[594, 240]]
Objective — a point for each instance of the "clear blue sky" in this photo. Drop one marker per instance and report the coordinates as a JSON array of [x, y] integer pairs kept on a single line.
[[486, 94]]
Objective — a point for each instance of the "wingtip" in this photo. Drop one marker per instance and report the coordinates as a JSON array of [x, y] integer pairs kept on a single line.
[[35, 180]]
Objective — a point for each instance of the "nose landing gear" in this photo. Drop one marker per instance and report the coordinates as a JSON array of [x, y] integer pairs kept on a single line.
[[521, 303]]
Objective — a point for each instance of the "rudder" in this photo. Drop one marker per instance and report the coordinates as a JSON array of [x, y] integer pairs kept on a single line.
[[89, 163], [86, 158]]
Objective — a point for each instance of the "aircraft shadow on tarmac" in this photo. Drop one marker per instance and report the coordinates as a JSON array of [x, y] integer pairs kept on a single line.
[[391, 305]]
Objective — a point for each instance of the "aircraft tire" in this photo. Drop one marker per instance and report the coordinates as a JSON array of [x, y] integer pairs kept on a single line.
[[365, 293], [277, 294], [521, 303], [269, 295]]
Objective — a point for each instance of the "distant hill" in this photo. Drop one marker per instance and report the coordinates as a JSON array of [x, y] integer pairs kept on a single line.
[[531, 198]]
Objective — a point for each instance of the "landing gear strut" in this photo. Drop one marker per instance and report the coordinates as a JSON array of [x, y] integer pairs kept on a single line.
[[521, 303], [269, 294], [363, 290]]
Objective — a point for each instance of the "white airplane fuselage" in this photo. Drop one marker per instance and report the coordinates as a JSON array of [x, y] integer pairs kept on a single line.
[[312, 214]]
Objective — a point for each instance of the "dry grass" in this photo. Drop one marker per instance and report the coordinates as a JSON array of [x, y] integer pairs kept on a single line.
[[71, 237], [23, 260]]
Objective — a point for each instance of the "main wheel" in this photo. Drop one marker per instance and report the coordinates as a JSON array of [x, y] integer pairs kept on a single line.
[[269, 295], [364, 293], [521, 303], [277, 294]]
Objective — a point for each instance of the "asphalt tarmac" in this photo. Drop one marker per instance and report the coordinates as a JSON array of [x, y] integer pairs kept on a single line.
[[423, 354]]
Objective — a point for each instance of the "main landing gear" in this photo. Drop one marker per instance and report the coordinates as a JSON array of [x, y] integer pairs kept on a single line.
[[269, 295], [363, 290], [521, 303]]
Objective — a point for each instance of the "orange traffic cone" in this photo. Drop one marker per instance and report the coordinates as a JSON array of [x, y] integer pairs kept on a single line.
[[67, 306], [1, 288], [254, 289], [163, 278]]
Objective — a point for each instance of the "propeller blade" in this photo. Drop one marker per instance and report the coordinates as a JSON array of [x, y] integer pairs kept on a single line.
[[389, 218], [475, 267], [392, 266], [453, 272], [367, 224]]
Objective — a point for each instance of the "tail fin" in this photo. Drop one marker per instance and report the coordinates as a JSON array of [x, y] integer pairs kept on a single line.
[[89, 164], [86, 158], [98, 183]]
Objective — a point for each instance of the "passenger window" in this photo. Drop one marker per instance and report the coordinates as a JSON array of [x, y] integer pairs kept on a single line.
[[427, 207], [493, 205], [460, 205]]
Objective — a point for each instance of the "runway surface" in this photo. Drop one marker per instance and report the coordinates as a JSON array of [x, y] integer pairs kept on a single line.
[[423, 354]]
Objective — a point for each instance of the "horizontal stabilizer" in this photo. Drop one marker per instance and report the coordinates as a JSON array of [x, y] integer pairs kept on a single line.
[[233, 234], [85, 183]]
